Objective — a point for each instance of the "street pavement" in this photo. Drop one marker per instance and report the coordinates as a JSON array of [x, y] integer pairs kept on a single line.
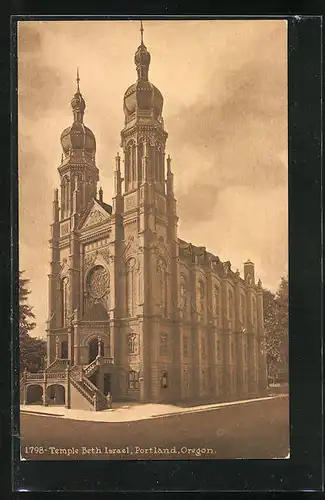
[[257, 429], [128, 412]]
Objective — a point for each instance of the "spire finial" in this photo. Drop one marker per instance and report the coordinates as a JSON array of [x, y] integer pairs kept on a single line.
[[141, 31], [78, 80]]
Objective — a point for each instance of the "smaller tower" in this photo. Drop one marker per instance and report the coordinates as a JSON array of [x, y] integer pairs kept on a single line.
[[249, 272], [78, 171]]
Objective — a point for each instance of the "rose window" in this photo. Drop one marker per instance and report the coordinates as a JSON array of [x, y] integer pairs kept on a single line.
[[98, 282]]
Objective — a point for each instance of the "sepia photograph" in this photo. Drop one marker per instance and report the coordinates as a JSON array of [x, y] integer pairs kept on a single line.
[[153, 239]]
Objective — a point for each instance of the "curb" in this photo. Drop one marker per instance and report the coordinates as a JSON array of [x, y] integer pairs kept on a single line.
[[163, 415]]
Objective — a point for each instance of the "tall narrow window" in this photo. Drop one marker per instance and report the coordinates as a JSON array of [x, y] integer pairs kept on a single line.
[[201, 297], [183, 294], [243, 309], [164, 380], [140, 156], [162, 277], [157, 158], [162, 169], [128, 167], [151, 161], [68, 198], [254, 312], [133, 162], [64, 301], [231, 304], [216, 301], [130, 287], [163, 344]]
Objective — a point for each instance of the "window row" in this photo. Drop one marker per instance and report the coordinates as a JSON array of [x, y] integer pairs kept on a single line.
[[216, 301], [131, 287], [133, 380], [134, 166]]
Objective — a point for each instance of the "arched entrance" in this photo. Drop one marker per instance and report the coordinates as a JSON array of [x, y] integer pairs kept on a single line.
[[64, 350], [55, 394], [34, 395], [93, 347]]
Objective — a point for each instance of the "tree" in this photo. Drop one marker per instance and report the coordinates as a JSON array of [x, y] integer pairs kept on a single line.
[[276, 316], [32, 350]]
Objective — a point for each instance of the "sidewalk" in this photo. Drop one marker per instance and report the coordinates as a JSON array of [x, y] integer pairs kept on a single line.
[[130, 412]]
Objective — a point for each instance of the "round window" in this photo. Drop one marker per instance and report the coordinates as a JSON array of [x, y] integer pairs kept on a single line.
[[98, 282]]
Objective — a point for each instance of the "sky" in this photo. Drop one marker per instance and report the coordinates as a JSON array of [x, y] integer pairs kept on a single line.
[[224, 84]]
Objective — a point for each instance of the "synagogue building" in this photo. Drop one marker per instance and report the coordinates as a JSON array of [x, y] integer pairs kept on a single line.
[[136, 312]]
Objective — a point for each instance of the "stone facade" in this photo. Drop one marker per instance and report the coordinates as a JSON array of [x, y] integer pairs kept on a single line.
[[169, 320]]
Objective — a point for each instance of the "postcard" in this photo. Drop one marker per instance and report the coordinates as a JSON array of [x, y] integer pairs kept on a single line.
[[153, 228]]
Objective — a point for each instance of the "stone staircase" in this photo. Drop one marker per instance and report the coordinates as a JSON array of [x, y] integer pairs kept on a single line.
[[81, 382], [59, 372]]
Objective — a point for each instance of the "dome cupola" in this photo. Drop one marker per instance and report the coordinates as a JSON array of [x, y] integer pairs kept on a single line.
[[78, 137], [142, 99]]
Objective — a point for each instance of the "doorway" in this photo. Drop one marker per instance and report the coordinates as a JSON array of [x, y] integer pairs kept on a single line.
[[107, 383], [55, 394], [93, 349], [64, 350]]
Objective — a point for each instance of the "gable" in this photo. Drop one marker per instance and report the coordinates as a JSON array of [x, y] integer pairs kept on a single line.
[[96, 215]]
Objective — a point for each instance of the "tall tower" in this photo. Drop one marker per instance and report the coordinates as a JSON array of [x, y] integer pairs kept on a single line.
[[78, 185], [150, 235]]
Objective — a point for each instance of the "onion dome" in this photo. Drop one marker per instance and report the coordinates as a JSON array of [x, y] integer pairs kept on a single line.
[[78, 137], [143, 96]]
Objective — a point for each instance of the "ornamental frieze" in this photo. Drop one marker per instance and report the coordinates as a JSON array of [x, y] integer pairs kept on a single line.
[[131, 202], [64, 228], [96, 244]]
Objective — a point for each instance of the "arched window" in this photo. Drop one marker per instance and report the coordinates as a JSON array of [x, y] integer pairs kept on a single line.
[[157, 164], [68, 198], [162, 280], [133, 162], [128, 166], [133, 380], [130, 287], [164, 380], [140, 156], [162, 165], [183, 294], [151, 160], [64, 197], [216, 301], [201, 297], [243, 309], [163, 344], [254, 312], [64, 301], [231, 304]]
